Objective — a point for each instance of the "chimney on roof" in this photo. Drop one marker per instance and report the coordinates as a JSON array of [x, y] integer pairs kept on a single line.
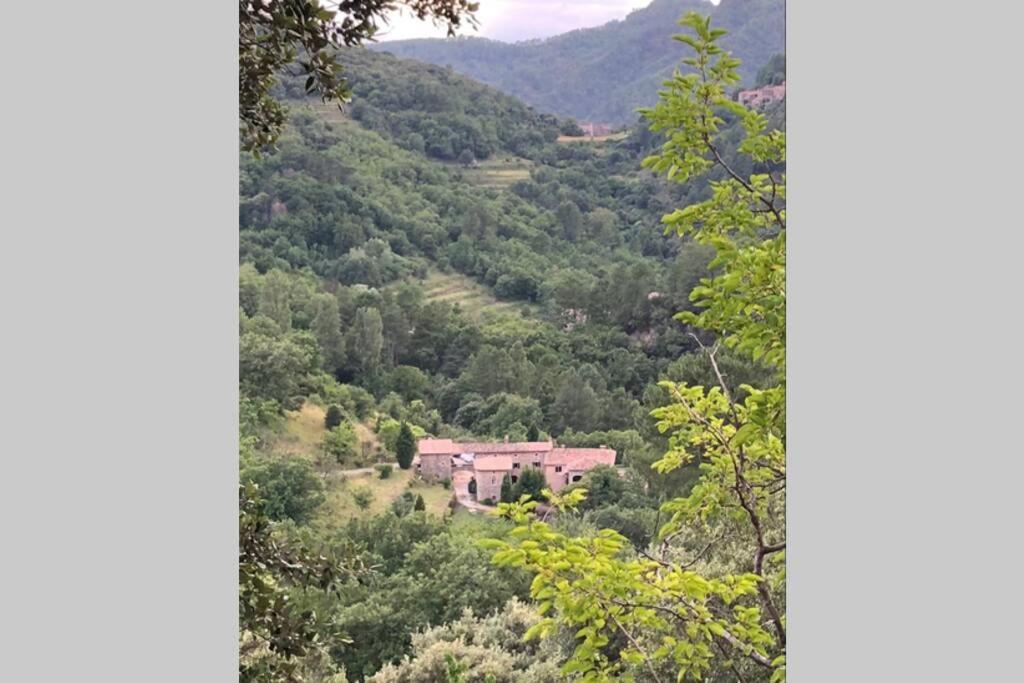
[[506, 438], [604, 445]]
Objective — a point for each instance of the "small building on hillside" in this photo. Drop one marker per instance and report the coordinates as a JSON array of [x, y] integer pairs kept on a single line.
[[593, 130], [491, 461], [763, 96]]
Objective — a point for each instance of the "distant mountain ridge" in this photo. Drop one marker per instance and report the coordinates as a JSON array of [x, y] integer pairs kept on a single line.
[[605, 73]]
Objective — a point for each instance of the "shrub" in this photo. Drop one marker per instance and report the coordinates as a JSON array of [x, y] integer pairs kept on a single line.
[[334, 417], [403, 505], [447, 484], [385, 471], [340, 443], [420, 504], [363, 497], [289, 488], [487, 501]]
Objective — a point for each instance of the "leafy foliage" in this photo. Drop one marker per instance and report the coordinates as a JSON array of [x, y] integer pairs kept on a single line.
[[654, 612], [275, 34], [340, 443], [275, 637], [481, 646], [289, 488]]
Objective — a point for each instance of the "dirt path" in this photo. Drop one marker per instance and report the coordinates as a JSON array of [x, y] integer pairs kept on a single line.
[[460, 482]]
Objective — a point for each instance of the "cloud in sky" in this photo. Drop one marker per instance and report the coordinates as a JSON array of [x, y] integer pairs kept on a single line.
[[512, 20]]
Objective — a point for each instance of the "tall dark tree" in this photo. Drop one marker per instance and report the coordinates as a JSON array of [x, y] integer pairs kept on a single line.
[[532, 433], [405, 447]]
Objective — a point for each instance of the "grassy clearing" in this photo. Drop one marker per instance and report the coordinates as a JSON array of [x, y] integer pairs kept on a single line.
[[327, 111], [303, 431], [499, 172], [475, 300], [566, 139], [340, 505]]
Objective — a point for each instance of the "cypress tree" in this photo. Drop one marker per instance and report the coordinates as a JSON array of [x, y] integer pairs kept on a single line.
[[533, 434], [405, 447], [506, 489], [420, 505]]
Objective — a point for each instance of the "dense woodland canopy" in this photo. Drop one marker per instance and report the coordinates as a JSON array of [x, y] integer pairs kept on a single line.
[[429, 176], [604, 73]]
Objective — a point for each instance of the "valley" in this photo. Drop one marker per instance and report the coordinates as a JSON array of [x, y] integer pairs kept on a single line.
[[439, 261]]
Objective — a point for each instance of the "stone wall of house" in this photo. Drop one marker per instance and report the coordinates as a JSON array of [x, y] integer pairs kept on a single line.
[[555, 476], [488, 485], [436, 467]]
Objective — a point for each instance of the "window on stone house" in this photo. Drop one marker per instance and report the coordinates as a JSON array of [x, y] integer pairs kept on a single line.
[[558, 468], [515, 466], [536, 463]]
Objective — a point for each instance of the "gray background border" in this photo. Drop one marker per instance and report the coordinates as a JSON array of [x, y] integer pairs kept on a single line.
[[119, 360], [118, 284], [904, 368]]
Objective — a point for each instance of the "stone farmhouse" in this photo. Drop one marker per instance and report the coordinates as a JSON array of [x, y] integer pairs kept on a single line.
[[490, 462], [761, 97]]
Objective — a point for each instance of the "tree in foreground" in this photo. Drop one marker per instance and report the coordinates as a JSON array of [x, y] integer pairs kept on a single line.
[[706, 600], [275, 639], [405, 446], [303, 35]]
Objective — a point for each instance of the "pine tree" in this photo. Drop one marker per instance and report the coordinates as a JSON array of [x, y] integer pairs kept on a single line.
[[405, 447]]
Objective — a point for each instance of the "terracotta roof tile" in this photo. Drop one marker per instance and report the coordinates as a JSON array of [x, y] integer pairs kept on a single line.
[[580, 458], [501, 447], [435, 447], [493, 463]]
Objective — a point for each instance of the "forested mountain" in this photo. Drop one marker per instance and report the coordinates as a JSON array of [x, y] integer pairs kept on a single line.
[[437, 259], [605, 73]]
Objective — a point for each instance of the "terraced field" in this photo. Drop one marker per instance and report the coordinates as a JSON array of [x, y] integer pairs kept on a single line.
[[499, 172], [475, 300], [327, 111], [566, 139]]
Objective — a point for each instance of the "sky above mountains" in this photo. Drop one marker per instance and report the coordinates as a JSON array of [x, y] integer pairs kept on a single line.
[[514, 20]]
